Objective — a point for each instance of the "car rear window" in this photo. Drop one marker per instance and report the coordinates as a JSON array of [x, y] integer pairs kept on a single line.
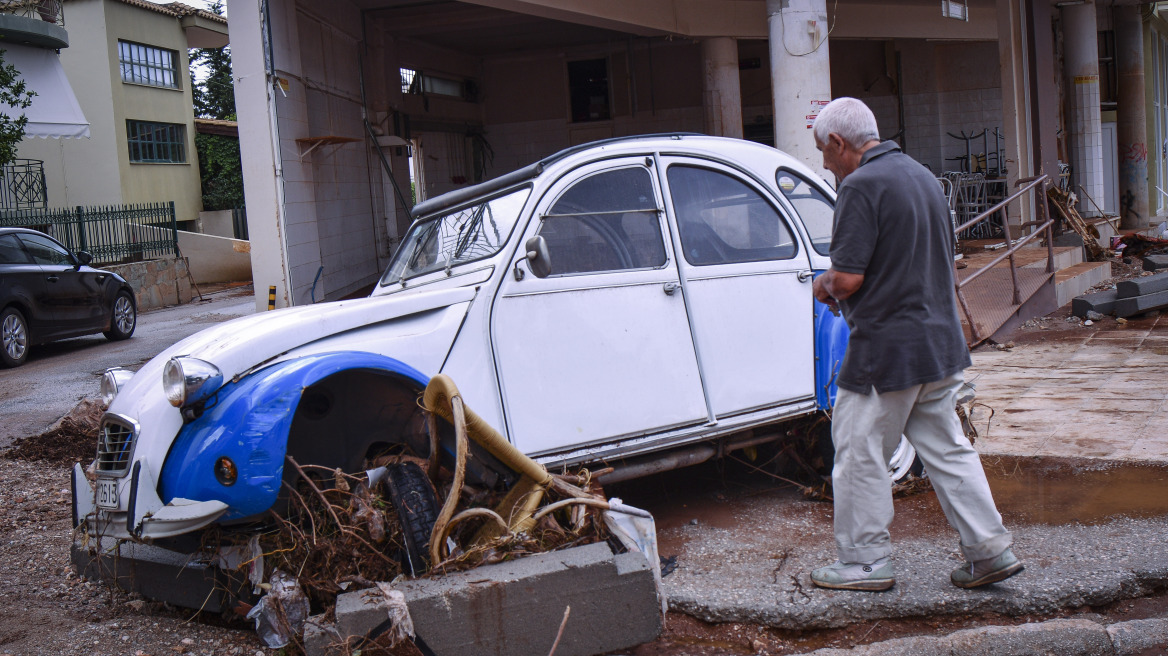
[[722, 220], [11, 252], [813, 206]]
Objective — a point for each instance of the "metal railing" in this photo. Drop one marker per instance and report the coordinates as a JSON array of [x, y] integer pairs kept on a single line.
[[992, 312], [50, 11], [112, 234], [22, 185]]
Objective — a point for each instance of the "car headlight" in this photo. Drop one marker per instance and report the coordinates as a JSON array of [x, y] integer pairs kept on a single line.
[[189, 380], [112, 382]]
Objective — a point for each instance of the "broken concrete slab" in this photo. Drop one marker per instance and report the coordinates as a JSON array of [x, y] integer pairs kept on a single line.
[[1139, 636], [516, 607], [1155, 262], [1126, 307], [1067, 637], [1142, 286], [1102, 302]]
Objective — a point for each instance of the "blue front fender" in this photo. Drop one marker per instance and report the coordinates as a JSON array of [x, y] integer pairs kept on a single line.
[[831, 341], [248, 421]]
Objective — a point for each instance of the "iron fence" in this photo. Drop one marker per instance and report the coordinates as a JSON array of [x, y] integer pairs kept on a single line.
[[112, 234], [22, 185], [49, 11]]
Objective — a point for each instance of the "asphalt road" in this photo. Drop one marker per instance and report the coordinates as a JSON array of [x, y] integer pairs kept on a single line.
[[59, 375]]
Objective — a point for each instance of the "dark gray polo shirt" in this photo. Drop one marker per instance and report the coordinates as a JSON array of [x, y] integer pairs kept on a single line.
[[892, 225]]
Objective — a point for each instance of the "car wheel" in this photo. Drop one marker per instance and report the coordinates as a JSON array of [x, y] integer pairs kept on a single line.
[[417, 508], [124, 318], [14, 338]]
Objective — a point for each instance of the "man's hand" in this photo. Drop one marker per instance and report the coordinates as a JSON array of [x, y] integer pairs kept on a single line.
[[834, 286]]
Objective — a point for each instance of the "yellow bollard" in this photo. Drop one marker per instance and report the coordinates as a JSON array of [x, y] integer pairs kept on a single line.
[[272, 297]]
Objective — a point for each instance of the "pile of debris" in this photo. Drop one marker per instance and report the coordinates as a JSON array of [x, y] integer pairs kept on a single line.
[[341, 533], [1146, 293]]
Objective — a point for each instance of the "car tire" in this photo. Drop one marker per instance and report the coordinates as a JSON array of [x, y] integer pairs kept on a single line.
[[14, 338], [417, 508], [123, 318]]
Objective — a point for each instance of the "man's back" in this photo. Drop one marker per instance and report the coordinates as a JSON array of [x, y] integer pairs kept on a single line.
[[893, 227]]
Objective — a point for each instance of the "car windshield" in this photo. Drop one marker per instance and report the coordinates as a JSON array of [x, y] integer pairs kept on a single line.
[[465, 235]]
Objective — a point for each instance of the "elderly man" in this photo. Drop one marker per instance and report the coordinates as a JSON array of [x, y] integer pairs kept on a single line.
[[892, 276]]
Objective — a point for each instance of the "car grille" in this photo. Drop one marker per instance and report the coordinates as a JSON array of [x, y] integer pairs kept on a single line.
[[115, 446]]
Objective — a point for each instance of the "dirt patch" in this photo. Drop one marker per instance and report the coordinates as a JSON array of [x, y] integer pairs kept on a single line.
[[72, 439]]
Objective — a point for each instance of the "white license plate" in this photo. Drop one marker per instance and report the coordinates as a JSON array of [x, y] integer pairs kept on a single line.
[[107, 493]]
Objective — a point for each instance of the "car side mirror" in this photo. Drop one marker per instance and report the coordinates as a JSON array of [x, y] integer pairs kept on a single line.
[[82, 258], [537, 256]]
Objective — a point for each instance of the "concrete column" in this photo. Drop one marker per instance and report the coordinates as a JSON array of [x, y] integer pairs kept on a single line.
[[1081, 67], [1015, 119], [800, 74], [721, 89], [1131, 129], [1043, 101]]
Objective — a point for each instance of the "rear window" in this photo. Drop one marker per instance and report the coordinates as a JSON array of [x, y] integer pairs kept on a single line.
[[11, 252], [813, 206]]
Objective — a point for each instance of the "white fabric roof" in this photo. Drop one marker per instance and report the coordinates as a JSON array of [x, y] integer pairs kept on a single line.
[[54, 111]]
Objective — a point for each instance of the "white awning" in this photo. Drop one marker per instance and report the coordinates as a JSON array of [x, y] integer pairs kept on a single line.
[[54, 111]]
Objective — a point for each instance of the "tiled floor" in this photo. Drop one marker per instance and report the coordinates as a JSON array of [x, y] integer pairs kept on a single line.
[[1099, 391]]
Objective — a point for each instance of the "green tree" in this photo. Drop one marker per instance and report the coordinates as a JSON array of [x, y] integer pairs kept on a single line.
[[215, 95], [13, 92], [219, 164]]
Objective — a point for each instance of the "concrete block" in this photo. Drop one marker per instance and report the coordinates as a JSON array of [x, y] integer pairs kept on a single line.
[[1139, 636], [1076, 636], [1142, 286], [1068, 239], [1102, 302], [515, 608], [1126, 307], [1155, 262], [321, 638]]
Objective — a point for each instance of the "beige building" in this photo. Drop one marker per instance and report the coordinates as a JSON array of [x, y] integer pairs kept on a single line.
[[128, 66]]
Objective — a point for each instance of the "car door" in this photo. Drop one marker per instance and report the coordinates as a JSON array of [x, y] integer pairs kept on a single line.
[[74, 294], [22, 281], [748, 285], [600, 348]]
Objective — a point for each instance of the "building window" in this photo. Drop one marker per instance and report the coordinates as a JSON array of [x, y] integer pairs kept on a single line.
[[156, 142], [1108, 80], [141, 64], [417, 83], [588, 90]]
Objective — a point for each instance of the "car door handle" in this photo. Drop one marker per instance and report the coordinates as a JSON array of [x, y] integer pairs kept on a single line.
[[804, 276], [671, 287], [53, 278]]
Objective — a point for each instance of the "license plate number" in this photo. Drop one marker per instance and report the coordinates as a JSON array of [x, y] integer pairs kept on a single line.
[[107, 494]]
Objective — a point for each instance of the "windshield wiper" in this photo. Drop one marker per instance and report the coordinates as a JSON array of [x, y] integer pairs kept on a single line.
[[470, 228]]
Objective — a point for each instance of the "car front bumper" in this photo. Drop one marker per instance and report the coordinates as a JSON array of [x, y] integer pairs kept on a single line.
[[145, 516]]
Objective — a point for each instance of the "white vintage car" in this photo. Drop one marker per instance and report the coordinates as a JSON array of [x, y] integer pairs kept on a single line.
[[643, 302]]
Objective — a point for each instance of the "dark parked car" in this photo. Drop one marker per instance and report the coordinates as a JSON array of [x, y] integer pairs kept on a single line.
[[48, 293]]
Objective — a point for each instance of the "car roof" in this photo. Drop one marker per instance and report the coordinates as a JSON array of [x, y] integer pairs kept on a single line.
[[5, 230], [666, 142]]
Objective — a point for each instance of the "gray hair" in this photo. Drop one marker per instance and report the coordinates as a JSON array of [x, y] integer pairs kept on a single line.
[[850, 119]]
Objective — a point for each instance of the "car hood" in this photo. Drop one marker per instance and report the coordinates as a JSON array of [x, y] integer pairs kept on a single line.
[[241, 344]]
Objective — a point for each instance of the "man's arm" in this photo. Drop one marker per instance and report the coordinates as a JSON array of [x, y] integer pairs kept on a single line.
[[834, 286]]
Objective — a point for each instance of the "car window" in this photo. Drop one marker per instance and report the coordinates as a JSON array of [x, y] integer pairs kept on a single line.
[[45, 250], [606, 222], [723, 220], [465, 235], [11, 252], [813, 206]]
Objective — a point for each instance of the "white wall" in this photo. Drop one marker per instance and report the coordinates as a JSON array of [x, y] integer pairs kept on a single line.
[[215, 259]]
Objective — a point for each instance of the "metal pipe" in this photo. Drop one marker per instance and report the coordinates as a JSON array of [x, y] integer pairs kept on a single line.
[[1020, 243], [685, 457]]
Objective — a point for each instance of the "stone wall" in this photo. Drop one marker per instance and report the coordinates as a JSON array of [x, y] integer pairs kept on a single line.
[[157, 283]]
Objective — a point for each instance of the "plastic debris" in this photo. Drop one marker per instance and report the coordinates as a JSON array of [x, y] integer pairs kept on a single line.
[[401, 624], [638, 532], [280, 614]]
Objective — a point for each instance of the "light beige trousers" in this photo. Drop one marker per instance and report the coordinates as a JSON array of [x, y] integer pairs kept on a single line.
[[865, 427]]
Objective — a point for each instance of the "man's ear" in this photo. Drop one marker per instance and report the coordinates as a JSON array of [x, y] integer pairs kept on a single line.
[[837, 142]]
